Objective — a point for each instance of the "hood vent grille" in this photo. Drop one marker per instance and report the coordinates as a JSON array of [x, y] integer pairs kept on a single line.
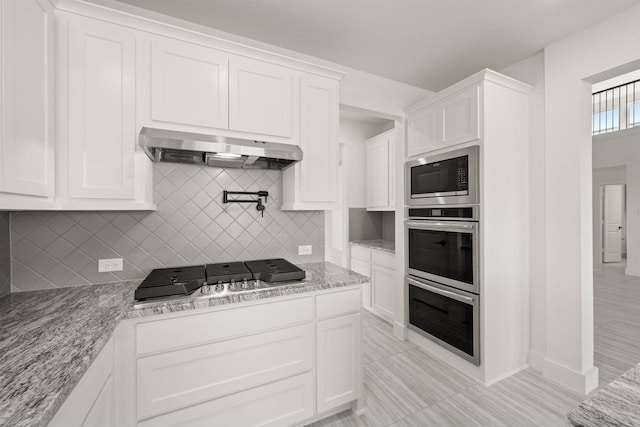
[[182, 147]]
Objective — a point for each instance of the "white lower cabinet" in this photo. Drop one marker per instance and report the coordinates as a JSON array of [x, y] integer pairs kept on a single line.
[[177, 379], [380, 294], [282, 361], [92, 401], [339, 364], [281, 403], [383, 278]]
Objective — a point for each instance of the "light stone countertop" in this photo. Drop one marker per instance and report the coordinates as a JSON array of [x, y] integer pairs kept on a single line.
[[49, 338], [616, 405], [382, 245]]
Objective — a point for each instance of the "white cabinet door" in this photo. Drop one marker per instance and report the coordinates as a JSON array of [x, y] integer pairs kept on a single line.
[[91, 402], [102, 412], [383, 290], [26, 94], [261, 97], [361, 267], [101, 111], [189, 84], [282, 403], [460, 119], [391, 140], [422, 131], [319, 140], [378, 173], [339, 361]]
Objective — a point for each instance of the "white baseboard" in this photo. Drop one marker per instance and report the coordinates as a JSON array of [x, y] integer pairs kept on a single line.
[[400, 330], [492, 381], [632, 271], [582, 383]]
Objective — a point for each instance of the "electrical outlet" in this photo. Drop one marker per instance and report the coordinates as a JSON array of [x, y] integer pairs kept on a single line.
[[304, 249], [113, 264]]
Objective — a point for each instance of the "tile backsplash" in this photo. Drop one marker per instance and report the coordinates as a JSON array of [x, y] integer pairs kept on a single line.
[[190, 226], [5, 255]]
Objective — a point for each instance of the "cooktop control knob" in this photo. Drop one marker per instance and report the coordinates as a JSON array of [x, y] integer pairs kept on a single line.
[[232, 285], [219, 287], [245, 284], [205, 288]]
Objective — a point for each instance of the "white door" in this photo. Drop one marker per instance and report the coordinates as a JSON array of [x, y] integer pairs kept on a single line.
[[612, 223], [422, 131]]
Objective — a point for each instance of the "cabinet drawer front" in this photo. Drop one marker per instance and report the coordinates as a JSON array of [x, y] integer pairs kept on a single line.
[[361, 267], [182, 378], [281, 403], [384, 259], [361, 253], [186, 331], [336, 303]]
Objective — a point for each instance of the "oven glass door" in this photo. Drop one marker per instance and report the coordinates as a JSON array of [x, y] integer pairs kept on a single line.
[[444, 178], [444, 252], [447, 317]]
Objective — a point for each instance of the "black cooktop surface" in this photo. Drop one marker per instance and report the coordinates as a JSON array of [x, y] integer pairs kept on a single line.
[[275, 270], [163, 282], [181, 281]]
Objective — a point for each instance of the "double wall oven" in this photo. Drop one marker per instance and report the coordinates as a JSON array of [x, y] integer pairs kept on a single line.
[[443, 273]]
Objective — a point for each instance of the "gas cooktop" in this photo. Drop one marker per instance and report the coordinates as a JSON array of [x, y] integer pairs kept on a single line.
[[216, 279]]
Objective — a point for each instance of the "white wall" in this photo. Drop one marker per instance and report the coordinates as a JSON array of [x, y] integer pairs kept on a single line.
[[572, 65], [531, 71], [623, 149]]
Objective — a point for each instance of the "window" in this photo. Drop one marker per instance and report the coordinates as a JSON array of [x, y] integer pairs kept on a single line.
[[606, 121], [616, 108], [633, 114]]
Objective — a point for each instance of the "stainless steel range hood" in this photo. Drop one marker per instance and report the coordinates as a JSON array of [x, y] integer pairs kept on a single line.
[[163, 145]]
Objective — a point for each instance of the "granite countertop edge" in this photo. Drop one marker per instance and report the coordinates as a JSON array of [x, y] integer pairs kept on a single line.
[[33, 388], [381, 245]]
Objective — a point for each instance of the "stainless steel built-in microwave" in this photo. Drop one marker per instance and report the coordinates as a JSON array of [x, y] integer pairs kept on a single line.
[[444, 179]]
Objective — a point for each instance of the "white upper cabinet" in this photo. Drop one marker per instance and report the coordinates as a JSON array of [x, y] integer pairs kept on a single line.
[[26, 107], [262, 98], [378, 173], [422, 131], [102, 134], [381, 172], [449, 119], [99, 166], [312, 184], [460, 117], [189, 84]]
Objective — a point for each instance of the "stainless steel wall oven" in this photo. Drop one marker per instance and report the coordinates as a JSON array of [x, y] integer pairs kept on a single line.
[[443, 244]]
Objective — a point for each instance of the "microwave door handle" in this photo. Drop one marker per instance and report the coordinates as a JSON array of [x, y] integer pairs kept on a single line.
[[441, 226], [442, 292]]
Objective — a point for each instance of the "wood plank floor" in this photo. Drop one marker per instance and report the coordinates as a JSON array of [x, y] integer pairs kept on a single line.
[[406, 387]]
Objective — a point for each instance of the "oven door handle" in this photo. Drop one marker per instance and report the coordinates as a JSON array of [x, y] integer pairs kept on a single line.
[[439, 291], [441, 226]]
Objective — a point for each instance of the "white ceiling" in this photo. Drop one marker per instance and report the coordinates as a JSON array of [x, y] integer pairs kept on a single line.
[[426, 43]]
